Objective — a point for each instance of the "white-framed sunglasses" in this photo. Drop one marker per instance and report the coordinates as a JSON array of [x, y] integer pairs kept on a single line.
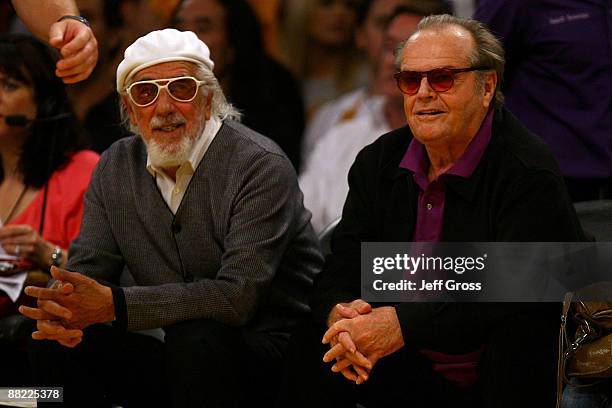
[[182, 89]]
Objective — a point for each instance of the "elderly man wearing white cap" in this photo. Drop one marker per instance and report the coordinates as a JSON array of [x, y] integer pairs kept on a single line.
[[208, 218]]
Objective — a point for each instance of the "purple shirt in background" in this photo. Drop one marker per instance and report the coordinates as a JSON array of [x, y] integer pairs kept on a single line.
[[558, 79], [459, 369]]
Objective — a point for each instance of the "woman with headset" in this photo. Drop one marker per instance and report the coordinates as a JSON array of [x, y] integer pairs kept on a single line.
[[44, 173]]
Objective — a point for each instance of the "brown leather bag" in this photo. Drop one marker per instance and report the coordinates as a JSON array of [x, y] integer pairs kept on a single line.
[[585, 339]]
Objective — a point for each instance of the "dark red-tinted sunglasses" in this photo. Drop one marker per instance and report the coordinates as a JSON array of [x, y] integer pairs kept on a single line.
[[440, 79]]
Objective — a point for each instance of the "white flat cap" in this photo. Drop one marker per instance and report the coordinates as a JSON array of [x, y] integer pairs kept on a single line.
[[162, 46]]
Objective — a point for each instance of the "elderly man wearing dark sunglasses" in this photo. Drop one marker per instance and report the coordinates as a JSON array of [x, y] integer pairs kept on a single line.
[[207, 216], [463, 170]]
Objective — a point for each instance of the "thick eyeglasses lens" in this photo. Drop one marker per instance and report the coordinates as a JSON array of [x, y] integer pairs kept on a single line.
[[183, 89], [143, 94], [440, 80], [409, 82]]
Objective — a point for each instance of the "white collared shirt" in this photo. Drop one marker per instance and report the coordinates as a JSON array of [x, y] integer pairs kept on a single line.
[[173, 192], [323, 179]]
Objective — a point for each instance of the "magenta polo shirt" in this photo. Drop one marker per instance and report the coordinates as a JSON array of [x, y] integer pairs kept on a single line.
[[459, 369]]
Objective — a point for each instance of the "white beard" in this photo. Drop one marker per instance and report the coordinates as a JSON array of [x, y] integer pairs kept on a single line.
[[175, 154], [161, 156]]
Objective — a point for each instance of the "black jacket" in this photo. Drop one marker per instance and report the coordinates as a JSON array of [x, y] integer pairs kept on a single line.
[[515, 194]]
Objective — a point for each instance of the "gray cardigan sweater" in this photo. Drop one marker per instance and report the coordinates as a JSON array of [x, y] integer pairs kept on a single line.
[[240, 249]]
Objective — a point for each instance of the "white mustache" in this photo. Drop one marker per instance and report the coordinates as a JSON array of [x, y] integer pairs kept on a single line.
[[176, 119]]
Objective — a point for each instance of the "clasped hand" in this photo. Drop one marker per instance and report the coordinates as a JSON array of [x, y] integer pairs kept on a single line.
[[72, 303], [359, 336]]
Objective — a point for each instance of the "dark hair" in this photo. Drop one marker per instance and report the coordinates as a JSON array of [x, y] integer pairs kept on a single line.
[[244, 36], [112, 13], [242, 30], [49, 145], [363, 9], [419, 7], [488, 50]]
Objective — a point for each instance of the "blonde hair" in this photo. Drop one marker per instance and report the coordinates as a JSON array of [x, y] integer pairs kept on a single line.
[[295, 43]]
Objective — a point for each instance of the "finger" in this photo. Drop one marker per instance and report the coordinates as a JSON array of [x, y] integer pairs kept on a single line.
[[67, 276], [14, 230], [50, 327], [56, 33], [74, 64], [362, 306], [43, 293], [75, 78], [347, 342], [65, 287], [335, 329], [346, 312], [86, 70], [70, 342], [333, 353], [78, 36], [362, 360], [358, 359], [55, 309], [25, 251], [349, 374], [361, 373], [341, 365], [42, 335], [35, 313], [53, 330]]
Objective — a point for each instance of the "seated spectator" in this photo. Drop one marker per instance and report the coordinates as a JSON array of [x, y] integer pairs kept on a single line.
[[373, 112], [265, 93], [43, 171], [208, 217], [463, 170], [371, 17], [319, 47]]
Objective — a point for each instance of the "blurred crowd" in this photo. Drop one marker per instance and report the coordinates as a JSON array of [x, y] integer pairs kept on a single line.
[[279, 61], [308, 73]]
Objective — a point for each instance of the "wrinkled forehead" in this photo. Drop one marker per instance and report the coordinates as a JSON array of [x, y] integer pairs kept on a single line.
[[450, 46], [171, 69]]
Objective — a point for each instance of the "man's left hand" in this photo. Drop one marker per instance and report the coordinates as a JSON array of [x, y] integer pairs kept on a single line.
[[78, 47], [376, 334]]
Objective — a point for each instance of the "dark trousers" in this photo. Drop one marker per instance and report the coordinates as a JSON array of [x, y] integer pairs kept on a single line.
[[517, 369], [202, 363]]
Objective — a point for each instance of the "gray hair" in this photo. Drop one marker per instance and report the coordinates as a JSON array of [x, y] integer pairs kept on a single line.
[[221, 108], [488, 51]]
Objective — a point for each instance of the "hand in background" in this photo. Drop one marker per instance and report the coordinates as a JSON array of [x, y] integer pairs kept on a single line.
[[24, 241], [78, 47]]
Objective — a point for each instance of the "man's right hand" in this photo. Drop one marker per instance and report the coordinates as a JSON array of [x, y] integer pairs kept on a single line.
[[353, 365]]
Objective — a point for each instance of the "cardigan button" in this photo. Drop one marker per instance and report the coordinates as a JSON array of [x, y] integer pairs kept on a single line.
[[176, 227]]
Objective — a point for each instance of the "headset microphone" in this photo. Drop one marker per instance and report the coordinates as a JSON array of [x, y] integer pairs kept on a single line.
[[22, 120]]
